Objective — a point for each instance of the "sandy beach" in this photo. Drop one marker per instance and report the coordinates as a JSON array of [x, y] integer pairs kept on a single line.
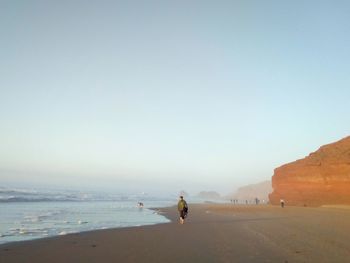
[[212, 233]]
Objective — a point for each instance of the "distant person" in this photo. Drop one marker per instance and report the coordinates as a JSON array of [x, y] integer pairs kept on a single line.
[[282, 203], [140, 204], [183, 209]]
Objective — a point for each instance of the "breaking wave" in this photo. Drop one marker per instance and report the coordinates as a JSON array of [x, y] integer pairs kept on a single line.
[[8, 195]]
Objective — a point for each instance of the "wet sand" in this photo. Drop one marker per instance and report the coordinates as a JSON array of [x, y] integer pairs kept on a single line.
[[212, 233]]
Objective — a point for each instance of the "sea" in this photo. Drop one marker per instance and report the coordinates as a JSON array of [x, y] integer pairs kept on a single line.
[[27, 214]]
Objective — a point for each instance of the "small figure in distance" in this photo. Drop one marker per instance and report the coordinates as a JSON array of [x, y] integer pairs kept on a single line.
[[256, 200], [140, 204], [182, 207], [282, 203]]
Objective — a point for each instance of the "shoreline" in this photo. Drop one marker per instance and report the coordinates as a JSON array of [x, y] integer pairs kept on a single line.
[[212, 233], [155, 209]]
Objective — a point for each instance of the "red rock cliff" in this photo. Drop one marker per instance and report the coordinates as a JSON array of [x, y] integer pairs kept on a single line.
[[321, 178]]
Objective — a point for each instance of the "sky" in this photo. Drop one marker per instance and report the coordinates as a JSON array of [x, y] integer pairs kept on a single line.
[[170, 95]]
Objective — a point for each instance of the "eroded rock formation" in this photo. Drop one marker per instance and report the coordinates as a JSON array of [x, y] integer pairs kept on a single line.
[[321, 178]]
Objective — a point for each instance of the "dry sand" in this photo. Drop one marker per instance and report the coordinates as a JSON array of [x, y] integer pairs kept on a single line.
[[212, 233]]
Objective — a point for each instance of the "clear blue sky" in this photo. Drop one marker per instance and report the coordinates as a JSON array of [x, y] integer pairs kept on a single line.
[[169, 94]]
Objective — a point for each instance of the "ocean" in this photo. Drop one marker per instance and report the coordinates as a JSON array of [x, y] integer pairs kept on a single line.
[[27, 214]]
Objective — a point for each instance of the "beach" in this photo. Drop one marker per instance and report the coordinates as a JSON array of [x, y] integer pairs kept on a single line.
[[212, 233]]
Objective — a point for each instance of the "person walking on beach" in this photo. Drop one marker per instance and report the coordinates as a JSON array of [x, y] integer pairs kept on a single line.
[[282, 203], [183, 209]]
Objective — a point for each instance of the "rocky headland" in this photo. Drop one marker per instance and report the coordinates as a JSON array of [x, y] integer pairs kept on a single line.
[[322, 178], [251, 192]]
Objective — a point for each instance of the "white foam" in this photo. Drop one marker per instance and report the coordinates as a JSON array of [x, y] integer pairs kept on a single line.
[[28, 220], [32, 218]]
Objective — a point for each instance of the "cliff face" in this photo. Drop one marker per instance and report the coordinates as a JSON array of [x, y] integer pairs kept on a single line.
[[321, 178], [250, 192]]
